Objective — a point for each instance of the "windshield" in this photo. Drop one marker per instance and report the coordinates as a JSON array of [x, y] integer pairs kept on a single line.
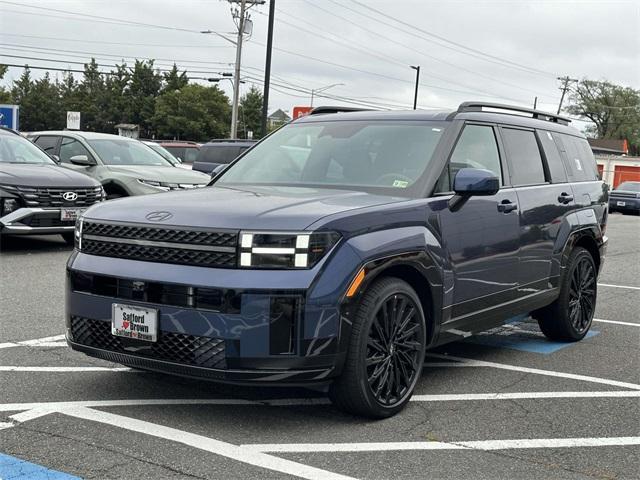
[[126, 152], [382, 154], [630, 186], [16, 149], [166, 154]]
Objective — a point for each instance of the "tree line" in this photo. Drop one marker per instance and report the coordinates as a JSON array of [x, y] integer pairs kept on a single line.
[[165, 105]]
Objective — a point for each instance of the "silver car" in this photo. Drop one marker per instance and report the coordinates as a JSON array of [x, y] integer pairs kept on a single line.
[[124, 166]]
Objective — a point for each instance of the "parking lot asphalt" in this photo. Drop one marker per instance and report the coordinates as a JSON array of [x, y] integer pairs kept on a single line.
[[504, 405]]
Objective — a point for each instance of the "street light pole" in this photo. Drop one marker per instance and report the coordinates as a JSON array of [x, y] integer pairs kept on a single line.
[[415, 95], [236, 75]]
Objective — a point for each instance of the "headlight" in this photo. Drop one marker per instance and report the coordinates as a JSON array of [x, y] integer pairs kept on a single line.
[[8, 205], [154, 184], [284, 250], [78, 233]]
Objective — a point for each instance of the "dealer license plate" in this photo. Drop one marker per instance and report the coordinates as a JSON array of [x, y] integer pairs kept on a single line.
[[70, 214], [621, 204], [134, 322]]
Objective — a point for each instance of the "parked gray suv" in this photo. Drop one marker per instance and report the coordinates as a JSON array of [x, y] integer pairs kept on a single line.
[[124, 166]]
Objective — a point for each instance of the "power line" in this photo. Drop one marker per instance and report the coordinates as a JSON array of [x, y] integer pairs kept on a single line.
[[451, 42], [378, 35]]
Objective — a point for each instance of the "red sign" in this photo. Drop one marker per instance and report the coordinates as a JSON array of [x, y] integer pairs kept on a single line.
[[301, 111]]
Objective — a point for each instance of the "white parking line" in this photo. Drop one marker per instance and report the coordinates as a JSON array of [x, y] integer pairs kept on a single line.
[[55, 341], [286, 402], [473, 445], [18, 368], [630, 324], [618, 286], [550, 373], [207, 444]]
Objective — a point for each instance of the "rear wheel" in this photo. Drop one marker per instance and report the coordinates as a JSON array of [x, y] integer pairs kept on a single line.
[[385, 354], [569, 317]]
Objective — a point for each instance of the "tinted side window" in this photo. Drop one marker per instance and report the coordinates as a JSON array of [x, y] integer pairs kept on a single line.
[[47, 143], [578, 158], [476, 148], [554, 159], [190, 155], [525, 162], [218, 154], [71, 147]]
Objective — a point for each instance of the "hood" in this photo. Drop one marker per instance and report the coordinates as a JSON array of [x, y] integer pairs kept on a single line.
[[160, 174], [257, 208], [42, 175]]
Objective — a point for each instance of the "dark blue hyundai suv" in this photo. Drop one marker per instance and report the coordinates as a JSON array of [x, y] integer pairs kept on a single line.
[[341, 247]]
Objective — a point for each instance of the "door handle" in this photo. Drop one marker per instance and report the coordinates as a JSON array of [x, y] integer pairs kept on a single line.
[[506, 206], [565, 198]]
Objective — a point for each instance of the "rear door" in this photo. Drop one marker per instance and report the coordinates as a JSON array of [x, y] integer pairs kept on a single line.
[[544, 197]]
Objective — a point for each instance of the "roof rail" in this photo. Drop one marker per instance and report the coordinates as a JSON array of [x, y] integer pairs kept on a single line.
[[540, 115], [327, 109], [231, 140]]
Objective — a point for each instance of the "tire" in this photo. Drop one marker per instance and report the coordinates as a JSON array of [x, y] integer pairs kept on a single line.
[[383, 388], [68, 238], [570, 316]]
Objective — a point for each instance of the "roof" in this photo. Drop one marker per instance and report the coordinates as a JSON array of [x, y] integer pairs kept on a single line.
[[442, 116], [279, 115], [226, 142], [128, 126], [174, 143], [80, 134], [609, 145]]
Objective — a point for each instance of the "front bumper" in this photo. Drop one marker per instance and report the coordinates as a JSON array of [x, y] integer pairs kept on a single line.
[[216, 324], [34, 221], [630, 204]]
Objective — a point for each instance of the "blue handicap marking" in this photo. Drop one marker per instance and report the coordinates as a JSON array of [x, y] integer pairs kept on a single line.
[[12, 468], [521, 333]]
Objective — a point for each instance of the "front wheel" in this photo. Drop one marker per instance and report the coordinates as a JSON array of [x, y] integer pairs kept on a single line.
[[569, 317], [386, 352]]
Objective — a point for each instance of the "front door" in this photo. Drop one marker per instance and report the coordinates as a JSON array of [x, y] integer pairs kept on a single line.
[[481, 238]]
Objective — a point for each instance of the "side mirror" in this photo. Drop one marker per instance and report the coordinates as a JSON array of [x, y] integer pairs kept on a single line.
[[475, 181], [82, 160], [472, 181], [218, 170]]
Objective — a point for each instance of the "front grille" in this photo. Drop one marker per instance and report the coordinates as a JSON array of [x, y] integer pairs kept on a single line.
[[171, 347], [159, 254], [176, 245], [158, 234], [52, 197]]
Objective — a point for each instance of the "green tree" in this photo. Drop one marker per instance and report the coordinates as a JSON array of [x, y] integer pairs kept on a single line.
[[614, 110], [5, 95], [117, 108], [91, 99], [251, 112], [194, 112], [144, 86], [40, 104], [174, 79]]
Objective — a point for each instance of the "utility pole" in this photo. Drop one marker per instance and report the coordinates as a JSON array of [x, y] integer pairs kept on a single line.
[[565, 86], [236, 72], [267, 70], [415, 95], [535, 103]]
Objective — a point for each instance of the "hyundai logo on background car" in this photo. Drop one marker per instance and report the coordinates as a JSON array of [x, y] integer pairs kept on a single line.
[[70, 196], [159, 216]]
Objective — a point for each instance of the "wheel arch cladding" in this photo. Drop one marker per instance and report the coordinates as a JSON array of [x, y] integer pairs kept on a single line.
[[587, 242]]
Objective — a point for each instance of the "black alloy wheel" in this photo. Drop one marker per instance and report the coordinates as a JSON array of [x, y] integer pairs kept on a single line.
[[570, 316], [582, 295], [386, 351], [394, 349]]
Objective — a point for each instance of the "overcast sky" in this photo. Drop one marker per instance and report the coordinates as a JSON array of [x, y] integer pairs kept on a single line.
[[508, 51]]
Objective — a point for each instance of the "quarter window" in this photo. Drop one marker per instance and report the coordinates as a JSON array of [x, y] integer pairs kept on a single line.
[[525, 161], [552, 154], [71, 147], [578, 158]]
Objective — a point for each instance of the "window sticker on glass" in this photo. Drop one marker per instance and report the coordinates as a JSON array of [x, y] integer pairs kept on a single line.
[[549, 136], [400, 183], [436, 129], [578, 163]]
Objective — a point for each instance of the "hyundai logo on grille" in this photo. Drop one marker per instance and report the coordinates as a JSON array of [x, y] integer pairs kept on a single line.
[[70, 196], [159, 216]]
